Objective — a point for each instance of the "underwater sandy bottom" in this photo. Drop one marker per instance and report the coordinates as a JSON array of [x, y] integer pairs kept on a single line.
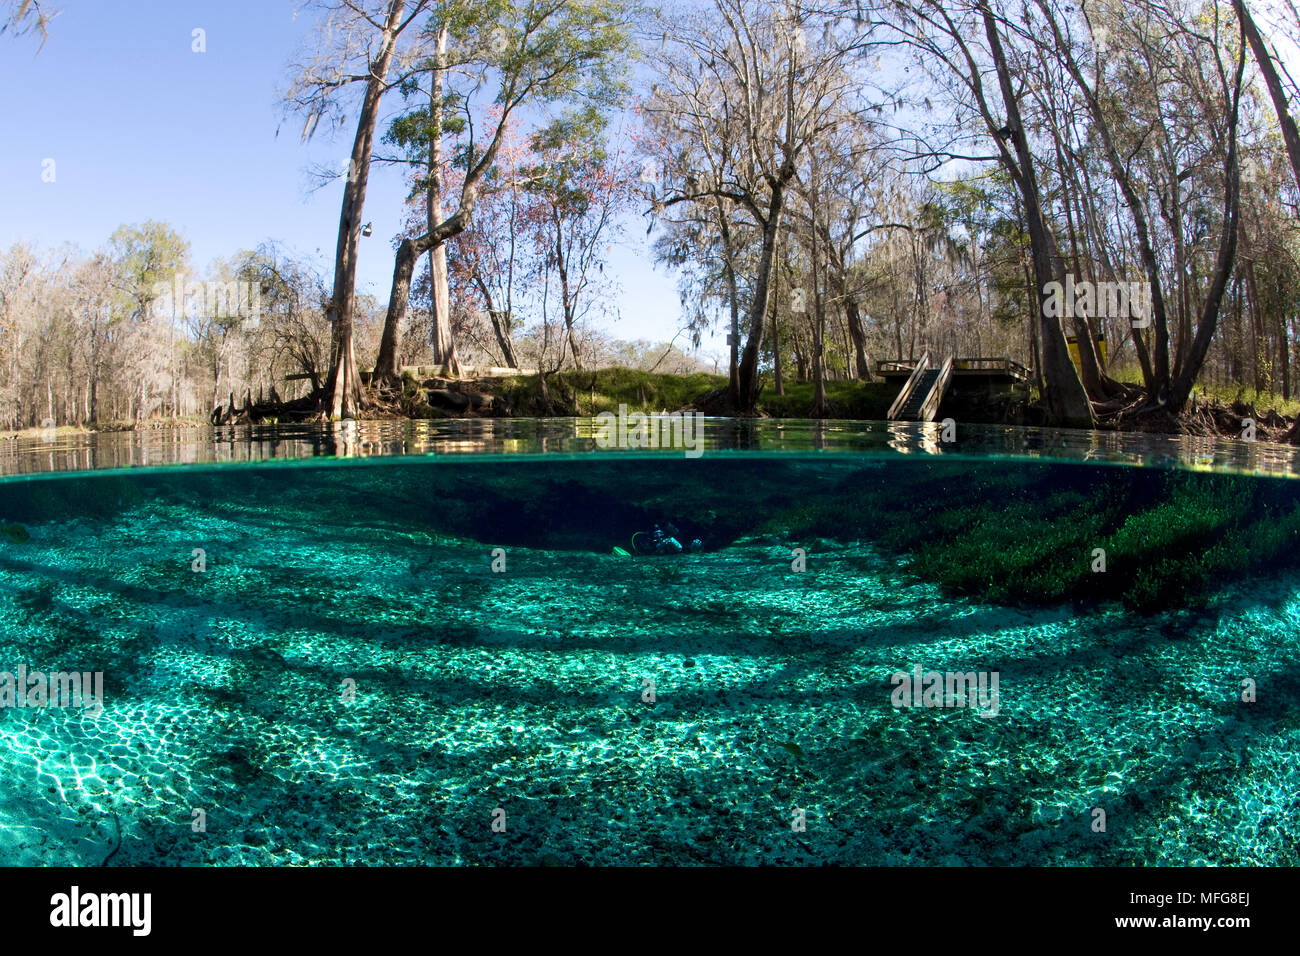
[[478, 692]]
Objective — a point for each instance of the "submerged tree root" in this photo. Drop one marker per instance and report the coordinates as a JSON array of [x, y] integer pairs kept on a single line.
[[273, 409]]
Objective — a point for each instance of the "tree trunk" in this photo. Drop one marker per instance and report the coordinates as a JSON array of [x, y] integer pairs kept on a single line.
[[410, 250], [1089, 358], [1155, 373], [1224, 261], [499, 321], [1063, 392], [859, 337], [386, 369], [1290, 135], [566, 298], [820, 405], [747, 400], [778, 379], [444, 345], [1284, 354], [1256, 327], [342, 389], [733, 298]]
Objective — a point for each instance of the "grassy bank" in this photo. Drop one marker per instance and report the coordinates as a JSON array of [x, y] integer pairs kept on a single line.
[[604, 390]]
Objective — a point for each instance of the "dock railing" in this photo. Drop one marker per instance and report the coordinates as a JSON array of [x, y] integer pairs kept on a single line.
[[922, 366], [1006, 366], [931, 406]]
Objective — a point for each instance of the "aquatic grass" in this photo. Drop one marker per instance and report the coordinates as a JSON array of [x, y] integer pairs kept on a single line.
[[1166, 538]]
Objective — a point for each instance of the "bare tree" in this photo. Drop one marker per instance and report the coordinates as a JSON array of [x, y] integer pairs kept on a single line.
[[768, 94], [357, 42], [25, 16]]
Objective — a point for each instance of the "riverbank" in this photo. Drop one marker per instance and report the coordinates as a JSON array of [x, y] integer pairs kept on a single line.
[[589, 393]]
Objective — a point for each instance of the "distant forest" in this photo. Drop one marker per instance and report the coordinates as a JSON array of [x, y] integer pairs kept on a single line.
[[1104, 191]]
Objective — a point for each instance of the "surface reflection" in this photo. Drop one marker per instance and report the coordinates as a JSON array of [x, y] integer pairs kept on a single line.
[[578, 436]]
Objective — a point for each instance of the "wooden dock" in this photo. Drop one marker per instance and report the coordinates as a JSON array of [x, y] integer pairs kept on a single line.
[[923, 386]]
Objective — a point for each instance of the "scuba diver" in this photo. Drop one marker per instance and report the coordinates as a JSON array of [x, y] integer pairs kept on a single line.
[[660, 541]]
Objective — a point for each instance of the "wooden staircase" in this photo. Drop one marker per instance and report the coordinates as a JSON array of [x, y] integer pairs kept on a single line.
[[921, 394]]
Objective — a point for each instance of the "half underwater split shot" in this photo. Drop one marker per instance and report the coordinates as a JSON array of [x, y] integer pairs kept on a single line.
[[499, 643]]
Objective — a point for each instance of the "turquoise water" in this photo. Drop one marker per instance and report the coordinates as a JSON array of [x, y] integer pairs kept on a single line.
[[343, 676]]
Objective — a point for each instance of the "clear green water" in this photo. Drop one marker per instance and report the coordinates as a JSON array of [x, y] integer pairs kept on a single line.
[[522, 690]]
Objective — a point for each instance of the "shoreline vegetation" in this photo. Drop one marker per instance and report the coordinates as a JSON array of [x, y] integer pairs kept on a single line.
[[583, 394]]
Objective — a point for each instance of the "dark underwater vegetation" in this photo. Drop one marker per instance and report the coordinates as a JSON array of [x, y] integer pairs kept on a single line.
[[343, 677]]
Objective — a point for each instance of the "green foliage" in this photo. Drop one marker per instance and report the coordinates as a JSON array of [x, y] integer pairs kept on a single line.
[[1263, 401], [559, 51], [572, 149], [867, 401], [146, 255], [606, 389], [534, 52], [1027, 533]]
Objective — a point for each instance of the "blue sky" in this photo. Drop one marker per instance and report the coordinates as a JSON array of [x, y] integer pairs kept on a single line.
[[141, 127]]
